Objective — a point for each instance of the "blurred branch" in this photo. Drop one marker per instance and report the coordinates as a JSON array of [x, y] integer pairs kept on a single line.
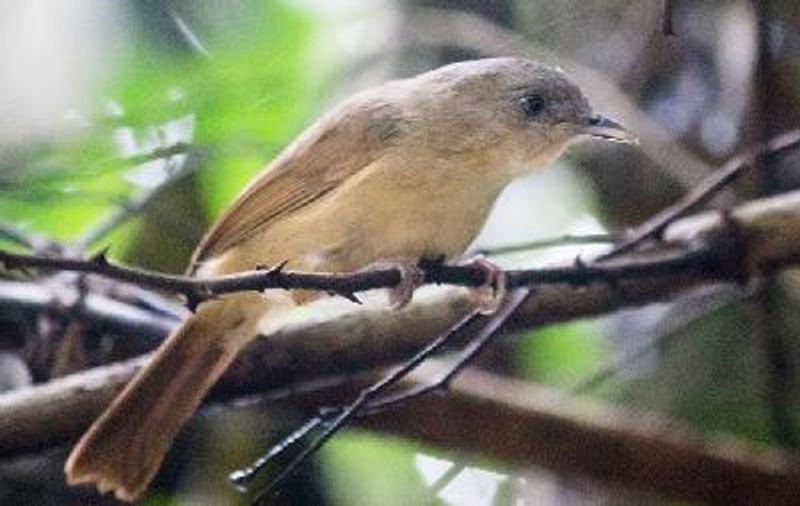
[[108, 313], [779, 373], [138, 201], [179, 148], [126, 210], [692, 308], [532, 426], [564, 240], [666, 21], [27, 239], [192, 40]]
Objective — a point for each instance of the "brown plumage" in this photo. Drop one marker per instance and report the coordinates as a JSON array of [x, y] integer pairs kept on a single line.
[[407, 169]]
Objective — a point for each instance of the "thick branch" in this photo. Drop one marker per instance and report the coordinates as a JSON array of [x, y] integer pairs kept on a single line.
[[534, 426]]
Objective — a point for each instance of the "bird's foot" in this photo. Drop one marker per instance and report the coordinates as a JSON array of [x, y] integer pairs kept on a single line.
[[489, 297], [411, 278]]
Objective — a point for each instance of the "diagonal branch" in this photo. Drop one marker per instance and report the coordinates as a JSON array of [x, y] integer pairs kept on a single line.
[[138, 201], [700, 194]]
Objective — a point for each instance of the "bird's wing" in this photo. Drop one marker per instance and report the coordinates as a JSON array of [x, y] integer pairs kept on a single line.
[[338, 146]]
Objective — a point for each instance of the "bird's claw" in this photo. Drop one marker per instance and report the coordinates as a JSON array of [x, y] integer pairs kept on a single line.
[[411, 278], [488, 298]]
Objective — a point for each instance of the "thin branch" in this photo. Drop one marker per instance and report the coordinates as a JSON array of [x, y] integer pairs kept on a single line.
[[179, 148], [192, 40], [699, 195], [778, 371], [138, 201], [346, 284], [564, 240], [443, 481], [27, 239], [112, 315]]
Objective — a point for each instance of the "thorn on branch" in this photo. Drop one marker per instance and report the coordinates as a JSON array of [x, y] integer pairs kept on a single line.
[[196, 297], [733, 246], [667, 27], [351, 296], [582, 276], [276, 273], [101, 257]]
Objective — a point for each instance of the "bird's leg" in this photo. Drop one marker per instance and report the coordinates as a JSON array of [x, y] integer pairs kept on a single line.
[[412, 276], [487, 298]]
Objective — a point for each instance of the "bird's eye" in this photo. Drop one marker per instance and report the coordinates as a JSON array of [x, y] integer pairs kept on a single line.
[[532, 105]]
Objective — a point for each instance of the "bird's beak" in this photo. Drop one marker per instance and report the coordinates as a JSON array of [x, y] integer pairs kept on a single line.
[[603, 128]]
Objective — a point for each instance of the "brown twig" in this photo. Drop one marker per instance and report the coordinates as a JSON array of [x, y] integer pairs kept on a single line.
[[179, 148], [655, 226]]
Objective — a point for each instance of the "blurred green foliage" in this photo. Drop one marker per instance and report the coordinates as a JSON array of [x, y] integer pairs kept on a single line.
[[363, 470], [239, 106], [562, 354]]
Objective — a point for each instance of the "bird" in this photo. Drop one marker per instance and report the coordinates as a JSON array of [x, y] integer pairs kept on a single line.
[[405, 170]]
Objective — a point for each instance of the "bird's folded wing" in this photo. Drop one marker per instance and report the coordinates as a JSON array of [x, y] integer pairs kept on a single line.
[[338, 146]]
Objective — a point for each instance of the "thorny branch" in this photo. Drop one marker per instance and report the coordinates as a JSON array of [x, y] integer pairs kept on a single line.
[[347, 284]]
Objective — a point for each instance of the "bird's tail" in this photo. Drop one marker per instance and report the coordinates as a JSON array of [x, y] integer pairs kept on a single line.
[[123, 449]]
